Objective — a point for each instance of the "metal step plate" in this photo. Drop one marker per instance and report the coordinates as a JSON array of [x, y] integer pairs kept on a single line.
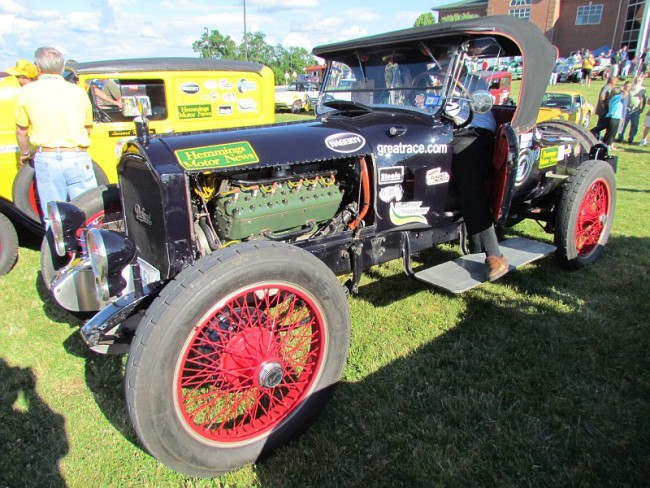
[[469, 271]]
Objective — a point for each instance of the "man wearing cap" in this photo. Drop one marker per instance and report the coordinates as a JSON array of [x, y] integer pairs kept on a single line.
[[24, 71], [55, 117]]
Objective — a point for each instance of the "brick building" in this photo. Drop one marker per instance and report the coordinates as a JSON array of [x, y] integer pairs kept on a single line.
[[571, 24]]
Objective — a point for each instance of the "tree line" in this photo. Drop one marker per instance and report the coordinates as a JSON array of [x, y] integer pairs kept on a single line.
[[283, 61]]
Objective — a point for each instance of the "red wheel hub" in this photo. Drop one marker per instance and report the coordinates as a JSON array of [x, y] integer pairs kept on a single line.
[[592, 217], [250, 363]]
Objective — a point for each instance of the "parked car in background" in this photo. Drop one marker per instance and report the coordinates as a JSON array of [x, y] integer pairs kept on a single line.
[[499, 85], [570, 71], [566, 105], [296, 97], [176, 94]]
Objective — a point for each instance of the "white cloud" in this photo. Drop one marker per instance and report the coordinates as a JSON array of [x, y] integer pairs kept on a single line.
[[280, 5]]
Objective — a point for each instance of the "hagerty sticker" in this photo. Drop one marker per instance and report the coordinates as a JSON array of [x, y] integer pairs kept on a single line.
[[219, 156], [345, 142]]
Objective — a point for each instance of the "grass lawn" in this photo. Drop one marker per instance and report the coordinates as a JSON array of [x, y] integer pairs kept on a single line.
[[541, 379]]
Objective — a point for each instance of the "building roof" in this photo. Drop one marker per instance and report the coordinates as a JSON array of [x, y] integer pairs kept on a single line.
[[462, 4]]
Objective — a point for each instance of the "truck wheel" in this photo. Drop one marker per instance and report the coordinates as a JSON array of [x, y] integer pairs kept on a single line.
[[296, 107], [585, 214], [237, 354], [8, 245], [103, 209], [25, 195]]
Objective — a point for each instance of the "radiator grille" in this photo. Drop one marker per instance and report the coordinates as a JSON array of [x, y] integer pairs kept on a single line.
[[143, 211]]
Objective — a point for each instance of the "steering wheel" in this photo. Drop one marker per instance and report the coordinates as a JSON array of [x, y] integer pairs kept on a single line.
[[457, 107]]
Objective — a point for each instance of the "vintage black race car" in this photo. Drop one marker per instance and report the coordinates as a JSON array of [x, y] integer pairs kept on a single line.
[[217, 270]]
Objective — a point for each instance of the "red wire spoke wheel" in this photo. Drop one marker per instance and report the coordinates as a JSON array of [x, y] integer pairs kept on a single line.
[[584, 215], [239, 353], [252, 359], [592, 217]]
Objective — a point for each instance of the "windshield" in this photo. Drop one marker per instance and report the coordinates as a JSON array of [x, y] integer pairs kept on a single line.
[[407, 78], [418, 77]]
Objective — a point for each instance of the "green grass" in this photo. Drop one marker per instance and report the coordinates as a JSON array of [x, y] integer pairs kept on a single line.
[[541, 379]]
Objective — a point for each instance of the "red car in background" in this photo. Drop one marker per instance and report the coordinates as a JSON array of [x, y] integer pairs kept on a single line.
[[499, 84]]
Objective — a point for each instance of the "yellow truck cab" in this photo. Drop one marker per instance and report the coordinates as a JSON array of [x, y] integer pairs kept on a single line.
[[175, 94]]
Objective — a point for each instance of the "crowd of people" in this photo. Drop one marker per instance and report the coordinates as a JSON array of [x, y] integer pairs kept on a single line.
[[620, 107]]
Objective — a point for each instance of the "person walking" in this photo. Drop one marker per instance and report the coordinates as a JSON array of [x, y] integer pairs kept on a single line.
[[55, 117], [587, 67], [636, 102]]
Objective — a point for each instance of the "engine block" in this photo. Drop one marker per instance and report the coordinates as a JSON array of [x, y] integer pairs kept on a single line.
[[244, 212]]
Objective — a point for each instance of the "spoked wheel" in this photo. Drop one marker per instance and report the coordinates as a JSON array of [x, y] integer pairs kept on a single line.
[[8, 245], [236, 355], [585, 214], [103, 209]]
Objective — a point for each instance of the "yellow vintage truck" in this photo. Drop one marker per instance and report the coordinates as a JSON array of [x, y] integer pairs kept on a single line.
[[175, 94]]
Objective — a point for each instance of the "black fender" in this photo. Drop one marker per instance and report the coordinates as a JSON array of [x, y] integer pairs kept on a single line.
[[17, 216]]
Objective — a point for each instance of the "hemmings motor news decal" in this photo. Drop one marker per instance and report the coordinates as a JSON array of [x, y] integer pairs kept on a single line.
[[393, 174], [345, 142], [219, 156], [402, 213]]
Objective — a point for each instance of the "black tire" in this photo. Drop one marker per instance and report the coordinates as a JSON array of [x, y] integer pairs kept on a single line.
[[585, 213], [8, 245], [188, 331], [99, 204], [24, 192], [296, 107]]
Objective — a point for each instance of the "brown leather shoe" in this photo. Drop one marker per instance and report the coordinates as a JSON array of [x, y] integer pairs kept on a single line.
[[496, 267]]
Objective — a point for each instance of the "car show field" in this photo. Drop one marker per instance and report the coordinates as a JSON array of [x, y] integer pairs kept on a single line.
[[539, 379]]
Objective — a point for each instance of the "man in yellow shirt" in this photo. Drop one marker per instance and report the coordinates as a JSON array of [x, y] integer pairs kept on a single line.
[[55, 117]]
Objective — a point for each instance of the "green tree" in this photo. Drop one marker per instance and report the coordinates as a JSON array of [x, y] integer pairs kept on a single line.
[[216, 46], [455, 17], [426, 18]]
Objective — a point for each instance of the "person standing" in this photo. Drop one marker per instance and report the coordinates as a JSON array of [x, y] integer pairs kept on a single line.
[[601, 106], [636, 102], [55, 117], [587, 67], [24, 71], [646, 129], [614, 114]]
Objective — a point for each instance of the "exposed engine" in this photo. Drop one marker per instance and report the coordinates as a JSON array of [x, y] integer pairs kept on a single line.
[[284, 204]]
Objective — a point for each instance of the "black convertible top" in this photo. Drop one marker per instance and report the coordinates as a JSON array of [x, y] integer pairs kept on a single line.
[[163, 64], [517, 38]]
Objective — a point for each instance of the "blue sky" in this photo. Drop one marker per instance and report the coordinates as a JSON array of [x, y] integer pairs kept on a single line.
[[110, 29]]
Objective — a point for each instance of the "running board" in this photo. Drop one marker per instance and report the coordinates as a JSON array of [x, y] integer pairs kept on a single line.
[[469, 271]]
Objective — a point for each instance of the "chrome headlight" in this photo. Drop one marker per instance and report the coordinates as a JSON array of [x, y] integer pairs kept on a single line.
[[110, 252], [65, 220]]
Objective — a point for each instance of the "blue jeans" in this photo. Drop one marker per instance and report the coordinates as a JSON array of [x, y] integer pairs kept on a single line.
[[62, 176], [631, 118]]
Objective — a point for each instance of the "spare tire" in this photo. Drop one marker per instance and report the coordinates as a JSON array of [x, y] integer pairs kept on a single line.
[[25, 195]]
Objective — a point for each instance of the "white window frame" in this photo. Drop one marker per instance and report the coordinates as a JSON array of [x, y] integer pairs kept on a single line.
[[521, 13], [520, 3], [585, 14]]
